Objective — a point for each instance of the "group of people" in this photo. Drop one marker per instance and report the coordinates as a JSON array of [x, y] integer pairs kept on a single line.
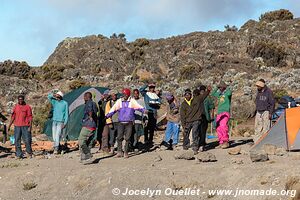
[[127, 117]]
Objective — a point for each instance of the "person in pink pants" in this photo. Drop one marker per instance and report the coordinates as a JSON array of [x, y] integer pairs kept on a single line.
[[223, 94], [222, 127]]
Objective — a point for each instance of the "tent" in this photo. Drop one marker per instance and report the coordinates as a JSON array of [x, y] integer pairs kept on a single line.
[[285, 132], [76, 106]]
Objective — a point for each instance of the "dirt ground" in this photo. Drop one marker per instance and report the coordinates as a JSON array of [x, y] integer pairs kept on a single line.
[[64, 177]]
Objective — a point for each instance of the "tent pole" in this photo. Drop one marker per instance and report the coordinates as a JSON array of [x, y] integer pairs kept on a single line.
[[286, 133]]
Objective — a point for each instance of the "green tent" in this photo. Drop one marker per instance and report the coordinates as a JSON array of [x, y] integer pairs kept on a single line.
[[76, 106]]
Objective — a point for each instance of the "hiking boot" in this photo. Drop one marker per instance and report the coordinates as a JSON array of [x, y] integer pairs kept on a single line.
[[119, 155], [19, 158], [55, 152], [112, 151], [87, 161], [201, 148], [185, 148], [219, 146], [225, 145], [126, 155]]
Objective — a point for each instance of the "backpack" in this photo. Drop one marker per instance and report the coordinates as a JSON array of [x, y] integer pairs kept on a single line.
[[287, 102]]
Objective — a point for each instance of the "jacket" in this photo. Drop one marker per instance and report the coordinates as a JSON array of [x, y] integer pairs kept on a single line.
[[90, 106], [265, 100], [22, 115], [152, 101], [193, 112], [125, 109], [139, 116], [173, 114], [224, 99], [208, 106], [60, 109], [115, 117]]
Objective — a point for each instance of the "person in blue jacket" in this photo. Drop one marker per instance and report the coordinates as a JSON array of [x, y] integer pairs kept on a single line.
[[60, 116], [152, 103]]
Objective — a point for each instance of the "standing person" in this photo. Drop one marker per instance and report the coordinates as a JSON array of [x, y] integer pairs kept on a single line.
[[206, 117], [191, 111], [125, 107], [89, 126], [173, 117], [152, 102], [141, 119], [22, 120], [103, 129], [265, 104], [60, 116], [112, 122], [223, 93]]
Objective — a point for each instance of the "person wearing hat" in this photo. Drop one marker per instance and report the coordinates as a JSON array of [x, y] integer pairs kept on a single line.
[[223, 94], [152, 103], [173, 117], [60, 116], [125, 107], [191, 111], [112, 122], [265, 104]]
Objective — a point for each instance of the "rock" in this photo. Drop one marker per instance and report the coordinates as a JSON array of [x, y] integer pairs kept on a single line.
[[237, 161], [234, 150], [186, 155], [258, 156], [163, 148], [280, 152], [157, 158], [206, 157], [247, 134], [243, 152], [41, 137], [269, 149]]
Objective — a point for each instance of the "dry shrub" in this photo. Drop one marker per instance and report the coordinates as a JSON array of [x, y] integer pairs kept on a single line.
[[281, 15]]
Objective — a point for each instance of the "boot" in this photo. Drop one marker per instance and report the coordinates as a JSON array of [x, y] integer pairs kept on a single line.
[[126, 155], [225, 145], [119, 155]]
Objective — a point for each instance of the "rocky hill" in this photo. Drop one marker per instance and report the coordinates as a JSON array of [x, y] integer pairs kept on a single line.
[[268, 48]]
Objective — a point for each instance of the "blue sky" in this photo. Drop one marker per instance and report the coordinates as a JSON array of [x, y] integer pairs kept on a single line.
[[31, 29]]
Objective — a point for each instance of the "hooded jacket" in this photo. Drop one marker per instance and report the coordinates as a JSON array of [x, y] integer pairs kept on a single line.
[[193, 112]]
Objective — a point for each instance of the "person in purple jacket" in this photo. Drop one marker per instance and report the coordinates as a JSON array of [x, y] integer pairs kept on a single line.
[[125, 106]]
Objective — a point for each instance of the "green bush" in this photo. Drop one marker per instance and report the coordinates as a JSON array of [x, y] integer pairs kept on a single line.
[[141, 42], [53, 72], [279, 93], [231, 28], [77, 84], [272, 52], [189, 72], [40, 115], [281, 15]]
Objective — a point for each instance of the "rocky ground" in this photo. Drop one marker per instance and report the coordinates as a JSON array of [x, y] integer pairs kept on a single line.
[[64, 177]]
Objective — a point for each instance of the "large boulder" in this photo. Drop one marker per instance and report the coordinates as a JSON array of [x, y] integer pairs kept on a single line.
[[258, 156], [206, 157], [186, 155]]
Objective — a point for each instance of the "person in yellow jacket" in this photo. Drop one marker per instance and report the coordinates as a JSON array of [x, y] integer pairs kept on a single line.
[[112, 122]]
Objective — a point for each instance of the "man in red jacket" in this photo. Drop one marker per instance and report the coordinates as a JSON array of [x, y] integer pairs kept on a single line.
[[22, 119]]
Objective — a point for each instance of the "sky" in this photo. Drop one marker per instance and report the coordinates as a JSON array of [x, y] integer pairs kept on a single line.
[[30, 30]]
